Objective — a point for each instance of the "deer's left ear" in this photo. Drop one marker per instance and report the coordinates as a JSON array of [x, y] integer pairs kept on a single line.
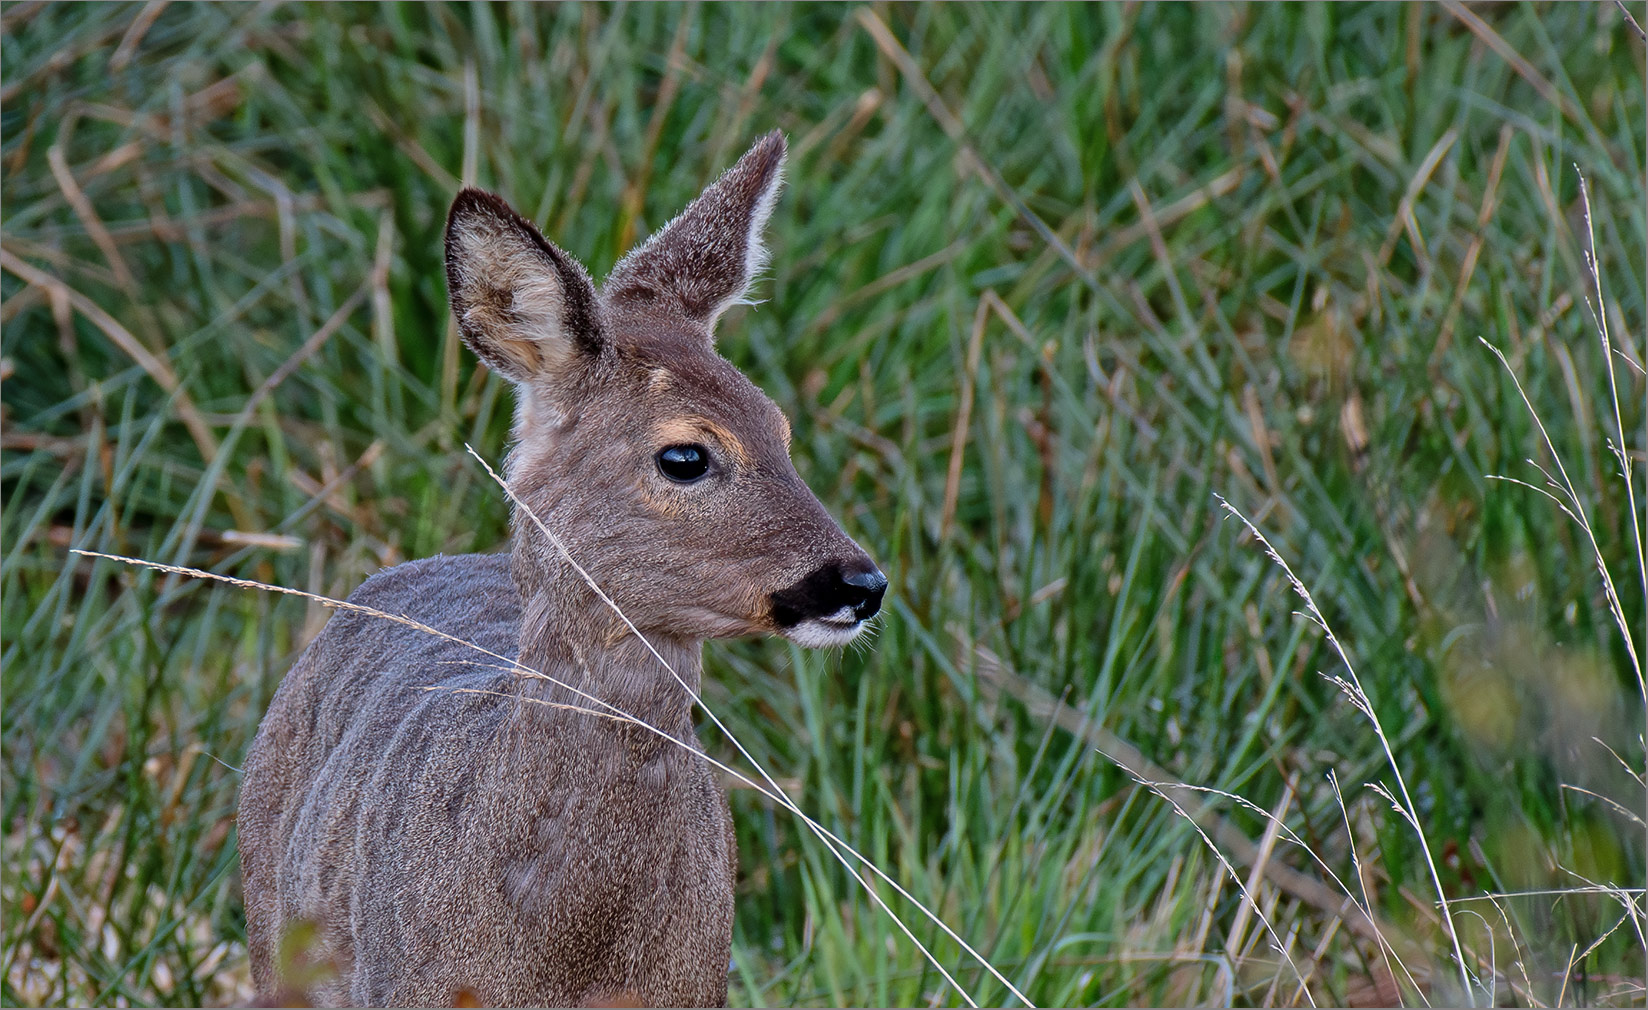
[[706, 259]]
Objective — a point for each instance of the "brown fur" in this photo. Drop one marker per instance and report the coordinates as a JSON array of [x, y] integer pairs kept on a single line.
[[484, 845]]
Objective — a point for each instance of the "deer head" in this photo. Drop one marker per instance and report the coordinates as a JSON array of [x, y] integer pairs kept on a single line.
[[662, 468]]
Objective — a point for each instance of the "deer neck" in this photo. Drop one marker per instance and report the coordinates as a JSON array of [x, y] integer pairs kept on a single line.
[[574, 638]]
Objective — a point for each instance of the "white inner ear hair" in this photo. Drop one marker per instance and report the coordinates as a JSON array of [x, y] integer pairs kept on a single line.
[[755, 245], [514, 295], [537, 303]]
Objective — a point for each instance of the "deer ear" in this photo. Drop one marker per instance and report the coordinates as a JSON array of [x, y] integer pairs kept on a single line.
[[706, 259], [524, 307]]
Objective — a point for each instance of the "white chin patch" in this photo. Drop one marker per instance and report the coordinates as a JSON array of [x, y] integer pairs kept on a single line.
[[839, 628]]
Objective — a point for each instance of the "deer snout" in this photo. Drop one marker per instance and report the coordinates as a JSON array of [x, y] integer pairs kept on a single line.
[[862, 591], [830, 605]]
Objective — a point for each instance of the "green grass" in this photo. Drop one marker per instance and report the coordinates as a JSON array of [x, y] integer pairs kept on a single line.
[[1172, 251]]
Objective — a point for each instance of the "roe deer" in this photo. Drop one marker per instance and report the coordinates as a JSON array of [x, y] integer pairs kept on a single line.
[[477, 842]]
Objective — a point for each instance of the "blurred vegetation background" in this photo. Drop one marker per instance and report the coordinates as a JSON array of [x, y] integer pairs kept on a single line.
[[1045, 280]]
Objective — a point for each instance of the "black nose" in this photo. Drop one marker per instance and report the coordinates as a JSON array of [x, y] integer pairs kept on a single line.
[[863, 591], [856, 586]]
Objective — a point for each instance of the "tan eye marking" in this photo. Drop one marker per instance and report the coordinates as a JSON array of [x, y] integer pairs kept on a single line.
[[689, 430]]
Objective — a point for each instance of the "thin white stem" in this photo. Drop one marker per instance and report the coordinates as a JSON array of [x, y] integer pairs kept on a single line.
[[1619, 808], [1384, 742], [830, 840], [1600, 312], [1362, 882], [1230, 871], [1580, 516], [1288, 834], [616, 713], [771, 790]]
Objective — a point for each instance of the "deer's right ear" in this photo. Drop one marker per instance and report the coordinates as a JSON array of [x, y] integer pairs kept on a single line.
[[524, 307]]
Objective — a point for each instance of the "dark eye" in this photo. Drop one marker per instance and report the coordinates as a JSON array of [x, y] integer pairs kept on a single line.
[[684, 463]]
